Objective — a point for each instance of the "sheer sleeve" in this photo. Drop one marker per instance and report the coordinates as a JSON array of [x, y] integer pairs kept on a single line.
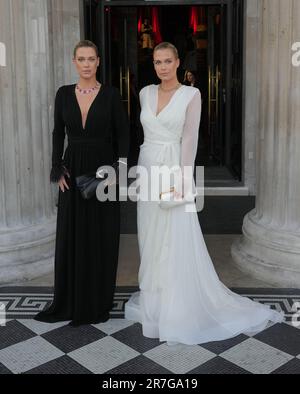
[[58, 138], [190, 140]]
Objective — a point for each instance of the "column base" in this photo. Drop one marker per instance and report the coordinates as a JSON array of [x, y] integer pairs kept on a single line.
[[27, 252], [268, 254]]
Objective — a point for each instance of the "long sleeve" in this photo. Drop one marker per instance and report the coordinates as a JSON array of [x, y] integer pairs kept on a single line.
[[121, 125], [58, 138], [190, 140]]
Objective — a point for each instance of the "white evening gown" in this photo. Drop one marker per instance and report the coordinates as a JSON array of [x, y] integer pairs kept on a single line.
[[181, 298]]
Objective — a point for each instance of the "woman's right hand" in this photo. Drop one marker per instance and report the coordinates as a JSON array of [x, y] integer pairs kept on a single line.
[[63, 183]]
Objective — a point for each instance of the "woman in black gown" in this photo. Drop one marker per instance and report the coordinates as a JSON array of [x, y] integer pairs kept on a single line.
[[87, 237]]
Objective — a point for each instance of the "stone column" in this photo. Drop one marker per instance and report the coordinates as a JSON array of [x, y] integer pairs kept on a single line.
[[270, 246], [65, 24], [27, 85]]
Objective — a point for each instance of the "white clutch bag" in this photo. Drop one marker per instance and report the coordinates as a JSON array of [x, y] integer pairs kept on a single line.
[[168, 200]]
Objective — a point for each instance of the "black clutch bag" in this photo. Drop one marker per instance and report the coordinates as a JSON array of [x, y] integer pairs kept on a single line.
[[87, 184]]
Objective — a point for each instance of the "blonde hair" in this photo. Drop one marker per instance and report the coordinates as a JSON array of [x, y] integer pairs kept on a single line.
[[167, 45], [86, 44]]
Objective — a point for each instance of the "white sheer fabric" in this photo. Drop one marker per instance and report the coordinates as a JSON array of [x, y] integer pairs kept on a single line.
[[181, 298]]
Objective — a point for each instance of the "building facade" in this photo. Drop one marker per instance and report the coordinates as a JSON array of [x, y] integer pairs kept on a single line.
[[36, 43]]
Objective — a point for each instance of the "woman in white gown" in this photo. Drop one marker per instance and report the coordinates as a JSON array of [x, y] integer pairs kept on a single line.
[[181, 298]]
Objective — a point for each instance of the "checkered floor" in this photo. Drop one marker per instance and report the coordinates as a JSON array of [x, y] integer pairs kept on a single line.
[[118, 346]]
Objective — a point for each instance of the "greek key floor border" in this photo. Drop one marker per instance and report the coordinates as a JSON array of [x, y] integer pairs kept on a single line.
[[25, 302]]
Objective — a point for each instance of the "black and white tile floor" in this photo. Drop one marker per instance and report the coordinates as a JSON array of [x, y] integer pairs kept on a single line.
[[118, 346]]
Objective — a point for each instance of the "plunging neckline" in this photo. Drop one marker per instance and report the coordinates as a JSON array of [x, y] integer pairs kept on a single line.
[[169, 102], [90, 107]]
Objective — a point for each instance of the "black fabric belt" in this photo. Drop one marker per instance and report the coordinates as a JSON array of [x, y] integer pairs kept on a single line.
[[88, 141]]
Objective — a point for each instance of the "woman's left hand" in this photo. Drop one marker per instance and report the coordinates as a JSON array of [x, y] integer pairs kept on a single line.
[[178, 195]]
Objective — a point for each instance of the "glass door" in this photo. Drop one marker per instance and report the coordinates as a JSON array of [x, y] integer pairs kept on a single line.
[[236, 89], [213, 49]]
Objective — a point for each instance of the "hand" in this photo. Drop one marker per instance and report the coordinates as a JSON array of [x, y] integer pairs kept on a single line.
[[177, 195], [62, 182]]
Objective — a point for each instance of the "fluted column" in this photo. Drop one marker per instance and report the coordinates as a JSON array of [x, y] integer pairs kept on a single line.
[[27, 85], [270, 246]]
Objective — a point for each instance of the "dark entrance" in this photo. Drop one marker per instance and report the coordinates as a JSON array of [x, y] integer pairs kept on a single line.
[[208, 36]]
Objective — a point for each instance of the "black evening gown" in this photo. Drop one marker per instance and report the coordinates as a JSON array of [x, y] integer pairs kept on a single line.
[[88, 231]]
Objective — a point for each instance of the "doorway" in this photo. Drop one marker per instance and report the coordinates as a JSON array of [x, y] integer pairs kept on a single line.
[[209, 41]]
